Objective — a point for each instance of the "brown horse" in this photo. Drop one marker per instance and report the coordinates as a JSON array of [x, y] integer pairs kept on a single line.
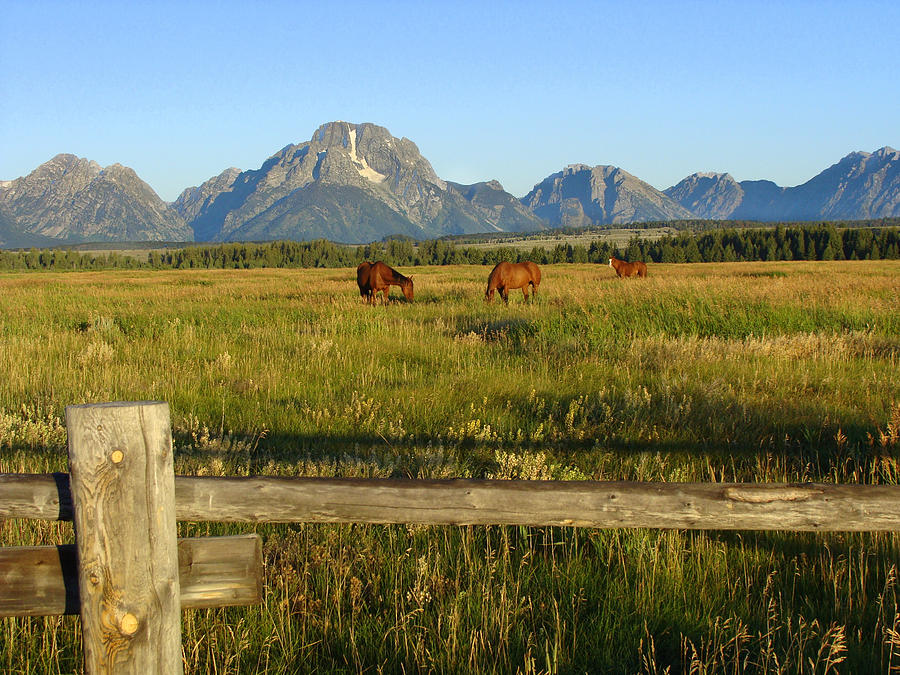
[[628, 269], [507, 275], [374, 278]]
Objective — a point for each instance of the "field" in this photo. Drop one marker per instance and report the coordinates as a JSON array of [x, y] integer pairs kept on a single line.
[[617, 236], [705, 372]]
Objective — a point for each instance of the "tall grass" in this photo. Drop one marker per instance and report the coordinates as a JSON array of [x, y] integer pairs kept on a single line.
[[747, 372]]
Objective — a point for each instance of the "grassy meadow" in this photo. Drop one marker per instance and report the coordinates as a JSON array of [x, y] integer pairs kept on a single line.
[[617, 236], [706, 372]]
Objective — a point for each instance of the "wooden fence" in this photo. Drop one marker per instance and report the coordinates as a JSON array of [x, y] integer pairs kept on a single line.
[[129, 576]]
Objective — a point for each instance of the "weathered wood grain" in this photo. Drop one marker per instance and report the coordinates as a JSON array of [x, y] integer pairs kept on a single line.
[[38, 496], [212, 572], [722, 506], [122, 482], [38, 581], [220, 571]]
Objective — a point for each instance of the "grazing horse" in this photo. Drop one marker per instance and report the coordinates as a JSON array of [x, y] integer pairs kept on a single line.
[[628, 269], [374, 278], [507, 275]]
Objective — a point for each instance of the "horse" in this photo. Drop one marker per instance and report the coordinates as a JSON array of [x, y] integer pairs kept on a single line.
[[374, 278], [628, 269], [507, 275]]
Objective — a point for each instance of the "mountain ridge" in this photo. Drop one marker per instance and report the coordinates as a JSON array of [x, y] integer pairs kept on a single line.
[[581, 195], [295, 193], [860, 185], [355, 183], [75, 199]]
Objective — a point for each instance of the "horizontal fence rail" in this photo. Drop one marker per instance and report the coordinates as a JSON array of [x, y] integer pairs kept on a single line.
[[129, 575], [212, 572], [614, 504]]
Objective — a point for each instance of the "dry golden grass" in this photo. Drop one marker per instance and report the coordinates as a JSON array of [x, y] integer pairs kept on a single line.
[[744, 371]]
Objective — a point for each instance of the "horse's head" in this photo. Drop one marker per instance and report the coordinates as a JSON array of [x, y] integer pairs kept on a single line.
[[611, 262], [407, 288]]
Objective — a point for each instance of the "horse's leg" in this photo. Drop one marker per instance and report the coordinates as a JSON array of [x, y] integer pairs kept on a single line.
[[504, 293]]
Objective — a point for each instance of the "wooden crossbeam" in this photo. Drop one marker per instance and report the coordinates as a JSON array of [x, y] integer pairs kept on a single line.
[[212, 571], [819, 507]]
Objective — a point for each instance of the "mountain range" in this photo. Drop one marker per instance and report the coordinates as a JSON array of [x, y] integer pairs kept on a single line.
[[356, 183], [349, 183], [861, 185]]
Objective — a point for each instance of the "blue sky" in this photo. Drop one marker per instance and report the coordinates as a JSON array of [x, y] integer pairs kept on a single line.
[[511, 91]]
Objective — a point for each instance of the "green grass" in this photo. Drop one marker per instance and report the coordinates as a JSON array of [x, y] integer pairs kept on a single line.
[[747, 372], [615, 236]]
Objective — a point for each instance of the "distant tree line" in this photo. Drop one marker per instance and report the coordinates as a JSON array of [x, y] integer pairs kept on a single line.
[[808, 242], [818, 242], [692, 225], [65, 259]]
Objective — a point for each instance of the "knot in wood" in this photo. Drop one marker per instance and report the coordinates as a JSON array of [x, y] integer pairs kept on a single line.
[[129, 624], [94, 573]]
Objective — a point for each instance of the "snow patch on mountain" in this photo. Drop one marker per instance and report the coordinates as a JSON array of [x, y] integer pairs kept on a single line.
[[362, 165]]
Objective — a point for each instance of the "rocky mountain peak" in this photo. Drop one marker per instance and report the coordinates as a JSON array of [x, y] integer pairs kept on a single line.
[[73, 198], [65, 162], [860, 185], [62, 174], [581, 195], [887, 153], [707, 194], [711, 175], [575, 168], [118, 172], [346, 173], [342, 148], [854, 157]]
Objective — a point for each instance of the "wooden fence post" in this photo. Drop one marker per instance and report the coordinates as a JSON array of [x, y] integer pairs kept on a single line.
[[123, 493]]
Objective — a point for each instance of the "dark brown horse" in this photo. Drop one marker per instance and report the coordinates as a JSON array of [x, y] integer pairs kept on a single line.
[[628, 269], [374, 278], [506, 276]]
